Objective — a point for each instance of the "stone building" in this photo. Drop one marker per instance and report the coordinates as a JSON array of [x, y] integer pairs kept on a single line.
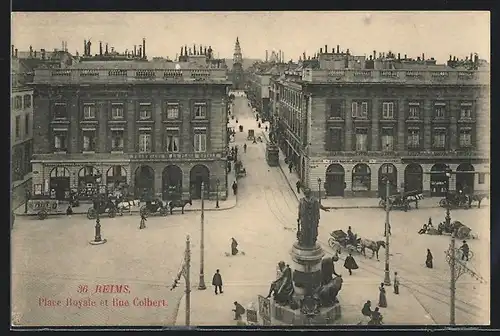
[[347, 121], [147, 128], [237, 74]]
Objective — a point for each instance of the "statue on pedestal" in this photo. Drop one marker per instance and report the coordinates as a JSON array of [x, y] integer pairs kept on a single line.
[[282, 288], [308, 219]]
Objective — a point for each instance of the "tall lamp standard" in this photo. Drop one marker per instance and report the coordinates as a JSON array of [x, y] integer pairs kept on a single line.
[[387, 276], [452, 260], [319, 190], [217, 184], [98, 239], [202, 285]]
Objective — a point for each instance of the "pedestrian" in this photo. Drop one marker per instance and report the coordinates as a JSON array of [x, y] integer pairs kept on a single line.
[[465, 251], [217, 282], [12, 219], [235, 188], [258, 125], [367, 309], [69, 210], [234, 247], [350, 263], [428, 260], [298, 187], [245, 148], [238, 310], [382, 299], [290, 166], [142, 225], [27, 195], [396, 283], [266, 128], [376, 318]]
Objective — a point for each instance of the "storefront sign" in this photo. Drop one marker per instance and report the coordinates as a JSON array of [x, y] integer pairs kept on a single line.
[[178, 156], [355, 161]]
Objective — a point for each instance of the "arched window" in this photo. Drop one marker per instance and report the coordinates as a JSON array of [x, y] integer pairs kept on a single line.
[[361, 177]]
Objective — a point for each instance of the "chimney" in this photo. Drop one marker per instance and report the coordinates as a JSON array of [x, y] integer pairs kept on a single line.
[[423, 57], [267, 54], [15, 52], [326, 49], [12, 50], [106, 52], [405, 56], [308, 58], [374, 54], [371, 57], [450, 58], [476, 59], [205, 51], [418, 58], [143, 47], [471, 57], [347, 51], [100, 48], [43, 53], [31, 51], [34, 54], [320, 51], [135, 50], [139, 52], [283, 55], [84, 47], [338, 48], [399, 56]]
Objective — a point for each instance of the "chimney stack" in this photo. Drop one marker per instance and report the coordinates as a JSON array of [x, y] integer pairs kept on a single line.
[[143, 47], [15, 52], [267, 54], [140, 52], [12, 50], [347, 51], [34, 54], [100, 48], [320, 51], [405, 56], [399, 56], [326, 49], [338, 48], [374, 54], [106, 51], [423, 57], [135, 50], [471, 57], [43, 53], [31, 51], [333, 50], [84, 47]]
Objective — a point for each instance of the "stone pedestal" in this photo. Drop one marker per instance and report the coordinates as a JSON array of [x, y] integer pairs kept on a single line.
[[285, 316], [306, 265]]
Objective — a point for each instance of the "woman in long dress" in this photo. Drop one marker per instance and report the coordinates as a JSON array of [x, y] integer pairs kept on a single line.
[[382, 300], [428, 260], [234, 246]]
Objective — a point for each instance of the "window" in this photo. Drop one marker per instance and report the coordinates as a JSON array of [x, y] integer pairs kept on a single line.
[[144, 142], [337, 109], [117, 111], [387, 139], [481, 178], [172, 111], [27, 101], [117, 140], [465, 138], [172, 141], [439, 111], [89, 140], [388, 110], [361, 177], [466, 111], [145, 111], [413, 138], [18, 126], [359, 110], [18, 102], [200, 110], [361, 140], [27, 124], [88, 111], [335, 139], [200, 140], [60, 141], [439, 138], [414, 111], [60, 111]]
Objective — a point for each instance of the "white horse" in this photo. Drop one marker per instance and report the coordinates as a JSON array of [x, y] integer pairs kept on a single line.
[[127, 206]]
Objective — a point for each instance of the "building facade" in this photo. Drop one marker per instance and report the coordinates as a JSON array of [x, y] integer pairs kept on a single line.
[[347, 122], [258, 87], [21, 134], [141, 127]]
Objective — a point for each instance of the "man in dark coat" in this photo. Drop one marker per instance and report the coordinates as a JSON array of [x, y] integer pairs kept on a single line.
[[238, 310], [298, 186], [351, 237], [465, 251], [428, 260], [235, 188], [350, 263], [234, 247], [217, 282], [142, 225], [367, 309]]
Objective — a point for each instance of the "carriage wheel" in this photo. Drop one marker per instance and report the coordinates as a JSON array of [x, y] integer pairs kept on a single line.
[[331, 242], [442, 203], [43, 214], [120, 212], [163, 211], [111, 213], [381, 203], [91, 214], [471, 254]]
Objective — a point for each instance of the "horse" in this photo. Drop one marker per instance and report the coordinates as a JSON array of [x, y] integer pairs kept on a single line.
[[374, 246], [179, 204], [127, 205]]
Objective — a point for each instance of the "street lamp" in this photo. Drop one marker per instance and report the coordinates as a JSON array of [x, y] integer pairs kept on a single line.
[[319, 189], [387, 276], [98, 239], [185, 269], [217, 184], [202, 285]]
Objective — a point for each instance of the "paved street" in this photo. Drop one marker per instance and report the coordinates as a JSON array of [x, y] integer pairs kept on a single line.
[[52, 258]]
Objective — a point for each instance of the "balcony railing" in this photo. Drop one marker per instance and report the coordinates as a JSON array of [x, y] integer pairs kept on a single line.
[[411, 153], [478, 77], [136, 76]]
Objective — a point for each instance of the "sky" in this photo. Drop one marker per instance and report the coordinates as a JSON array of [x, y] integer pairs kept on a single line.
[[437, 34]]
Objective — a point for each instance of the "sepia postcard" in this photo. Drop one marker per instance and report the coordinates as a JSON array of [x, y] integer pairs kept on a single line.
[[250, 168]]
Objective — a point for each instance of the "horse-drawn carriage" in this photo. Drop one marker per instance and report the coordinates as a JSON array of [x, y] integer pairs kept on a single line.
[[239, 169], [102, 205], [462, 231], [154, 207], [42, 208], [454, 199], [339, 239], [402, 201], [251, 134]]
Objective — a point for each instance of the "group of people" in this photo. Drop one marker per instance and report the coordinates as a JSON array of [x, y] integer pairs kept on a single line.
[[375, 315]]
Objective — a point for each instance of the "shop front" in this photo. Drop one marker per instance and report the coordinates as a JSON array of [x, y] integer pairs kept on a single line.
[[465, 178], [414, 178], [334, 180], [59, 183], [88, 182], [361, 180], [116, 180], [390, 172], [144, 183], [171, 182], [439, 182], [199, 174]]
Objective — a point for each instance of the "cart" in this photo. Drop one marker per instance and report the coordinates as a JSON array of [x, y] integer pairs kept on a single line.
[[251, 134], [45, 207]]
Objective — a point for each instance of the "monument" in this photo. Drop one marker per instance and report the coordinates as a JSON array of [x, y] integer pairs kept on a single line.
[[308, 294]]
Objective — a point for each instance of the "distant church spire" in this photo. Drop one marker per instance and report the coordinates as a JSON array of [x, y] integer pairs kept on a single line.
[[237, 56]]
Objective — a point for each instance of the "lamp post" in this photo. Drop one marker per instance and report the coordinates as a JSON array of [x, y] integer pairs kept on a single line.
[[202, 285], [185, 270], [319, 190], [387, 276], [217, 184], [452, 256], [98, 239]]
